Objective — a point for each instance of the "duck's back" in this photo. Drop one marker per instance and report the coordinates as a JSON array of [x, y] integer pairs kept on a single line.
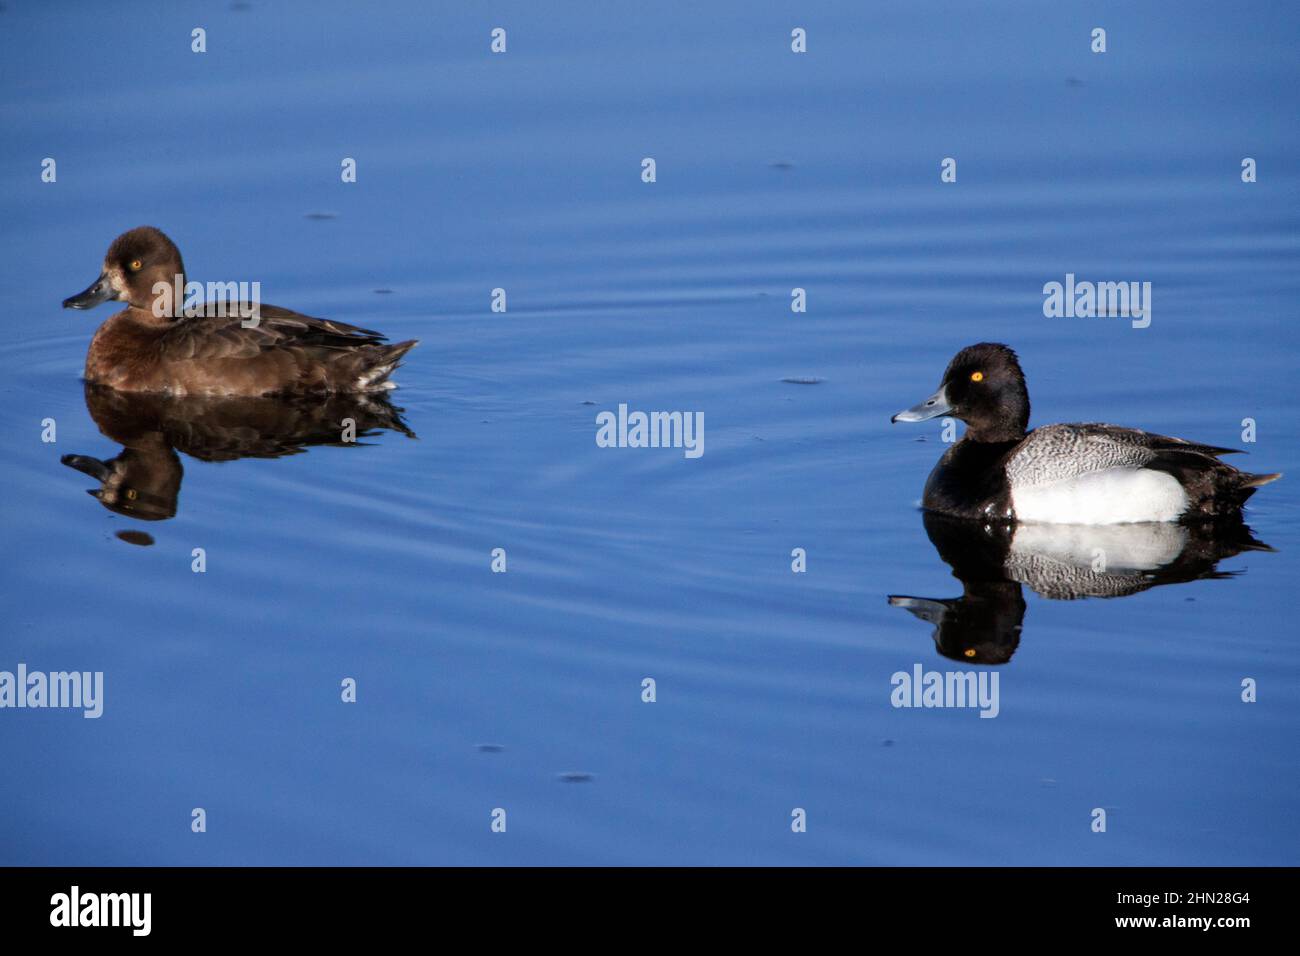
[[1106, 474], [282, 352]]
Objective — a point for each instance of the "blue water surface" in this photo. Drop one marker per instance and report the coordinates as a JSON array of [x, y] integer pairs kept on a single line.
[[523, 690]]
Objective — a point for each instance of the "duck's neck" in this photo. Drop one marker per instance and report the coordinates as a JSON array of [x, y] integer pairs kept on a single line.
[[997, 432], [1008, 422], [164, 302]]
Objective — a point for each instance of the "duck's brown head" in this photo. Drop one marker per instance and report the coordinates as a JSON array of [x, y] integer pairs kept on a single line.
[[138, 265]]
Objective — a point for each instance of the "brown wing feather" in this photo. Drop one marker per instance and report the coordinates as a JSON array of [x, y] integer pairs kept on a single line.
[[285, 352], [204, 338]]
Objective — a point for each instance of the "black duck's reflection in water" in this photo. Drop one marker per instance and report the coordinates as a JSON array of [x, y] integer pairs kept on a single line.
[[1061, 562], [144, 480]]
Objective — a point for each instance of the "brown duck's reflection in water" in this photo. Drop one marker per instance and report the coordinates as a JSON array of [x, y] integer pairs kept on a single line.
[[144, 480], [1061, 562]]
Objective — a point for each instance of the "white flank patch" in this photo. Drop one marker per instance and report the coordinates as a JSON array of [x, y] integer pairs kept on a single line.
[[1108, 496]]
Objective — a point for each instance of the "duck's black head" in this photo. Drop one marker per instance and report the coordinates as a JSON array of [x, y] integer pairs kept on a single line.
[[134, 265], [984, 387]]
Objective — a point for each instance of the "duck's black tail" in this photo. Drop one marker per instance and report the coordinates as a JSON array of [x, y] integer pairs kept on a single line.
[[1213, 487], [1248, 484]]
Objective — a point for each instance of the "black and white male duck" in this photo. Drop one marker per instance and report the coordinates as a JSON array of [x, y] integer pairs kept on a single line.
[[150, 346], [1065, 474]]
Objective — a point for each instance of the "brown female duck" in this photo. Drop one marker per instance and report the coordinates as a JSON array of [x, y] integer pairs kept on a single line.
[[152, 346]]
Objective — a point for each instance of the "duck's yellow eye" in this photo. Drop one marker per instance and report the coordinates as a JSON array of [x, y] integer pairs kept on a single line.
[[977, 376], [970, 651], [132, 494], [135, 265]]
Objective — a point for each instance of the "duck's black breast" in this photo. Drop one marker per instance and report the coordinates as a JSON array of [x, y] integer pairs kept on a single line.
[[970, 481]]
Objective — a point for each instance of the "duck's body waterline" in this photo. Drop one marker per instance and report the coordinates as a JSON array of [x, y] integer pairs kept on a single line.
[[1064, 474], [152, 346]]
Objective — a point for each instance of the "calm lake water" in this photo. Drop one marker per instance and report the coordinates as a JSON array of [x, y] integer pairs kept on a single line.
[[523, 690]]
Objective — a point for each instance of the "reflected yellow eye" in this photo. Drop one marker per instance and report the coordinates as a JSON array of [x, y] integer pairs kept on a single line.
[[135, 265], [970, 651], [977, 376]]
